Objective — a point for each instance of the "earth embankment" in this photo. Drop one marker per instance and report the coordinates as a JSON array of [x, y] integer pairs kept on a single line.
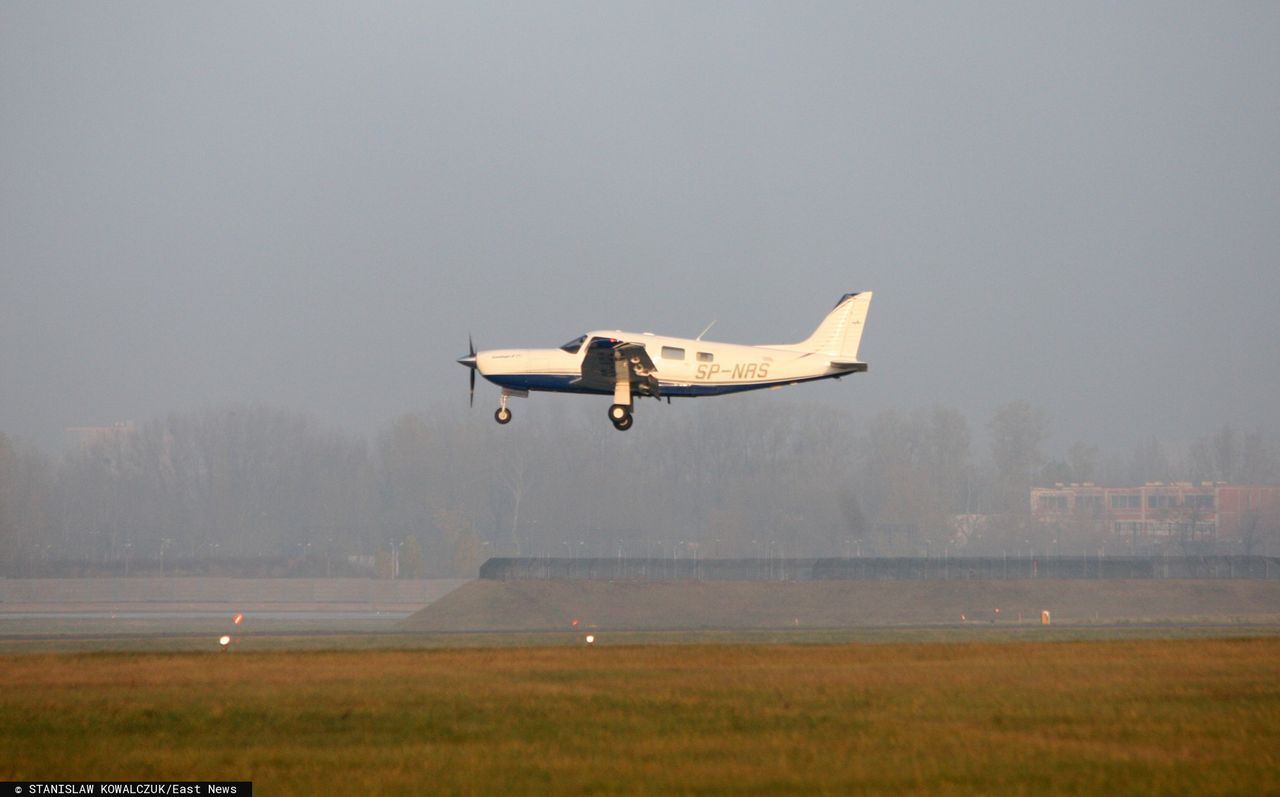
[[490, 605]]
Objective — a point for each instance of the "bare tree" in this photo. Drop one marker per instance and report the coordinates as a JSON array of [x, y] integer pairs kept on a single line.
[[519, 477], [26, 487], [1082, 459], [1017, 432]]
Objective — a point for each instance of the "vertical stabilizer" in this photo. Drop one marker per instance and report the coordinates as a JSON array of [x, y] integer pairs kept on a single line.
[[840, 333]]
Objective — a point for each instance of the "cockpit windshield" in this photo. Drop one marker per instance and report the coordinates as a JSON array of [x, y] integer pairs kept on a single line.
[[574, 345]]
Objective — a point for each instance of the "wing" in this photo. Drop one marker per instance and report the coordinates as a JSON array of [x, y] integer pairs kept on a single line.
[[606, 355]]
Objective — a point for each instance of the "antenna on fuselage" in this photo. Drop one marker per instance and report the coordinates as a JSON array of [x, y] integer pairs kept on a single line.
[[705, 331]]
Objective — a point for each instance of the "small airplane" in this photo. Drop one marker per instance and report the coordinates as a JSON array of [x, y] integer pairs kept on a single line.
[[630, 364]]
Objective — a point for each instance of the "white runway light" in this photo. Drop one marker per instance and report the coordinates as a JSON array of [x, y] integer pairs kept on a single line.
[[224, 641], [591, 639]]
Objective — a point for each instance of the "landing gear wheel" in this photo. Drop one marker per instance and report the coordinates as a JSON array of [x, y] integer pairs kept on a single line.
[[503, 415], [620, 414]]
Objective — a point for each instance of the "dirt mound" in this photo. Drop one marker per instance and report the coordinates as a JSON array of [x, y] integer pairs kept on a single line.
[[550, 605]]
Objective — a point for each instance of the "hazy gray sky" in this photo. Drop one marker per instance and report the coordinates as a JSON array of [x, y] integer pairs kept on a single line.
[[312, 205]]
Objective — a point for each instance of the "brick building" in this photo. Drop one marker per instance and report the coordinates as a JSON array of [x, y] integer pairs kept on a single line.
[[1228, 517]]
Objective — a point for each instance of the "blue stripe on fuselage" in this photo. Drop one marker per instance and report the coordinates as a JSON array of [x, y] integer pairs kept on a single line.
[[694, 391], [560, 383], [555, 383]]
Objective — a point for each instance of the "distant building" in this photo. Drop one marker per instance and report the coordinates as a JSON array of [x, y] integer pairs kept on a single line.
[[1239, 517]]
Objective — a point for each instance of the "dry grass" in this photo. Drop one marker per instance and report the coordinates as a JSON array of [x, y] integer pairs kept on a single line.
[[1127, 717]]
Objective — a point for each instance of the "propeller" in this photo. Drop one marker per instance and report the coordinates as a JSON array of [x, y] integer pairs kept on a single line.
[[470, 362]]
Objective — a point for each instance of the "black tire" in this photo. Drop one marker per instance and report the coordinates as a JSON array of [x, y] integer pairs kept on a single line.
[[624, 424], [503, 415], [618, 412]]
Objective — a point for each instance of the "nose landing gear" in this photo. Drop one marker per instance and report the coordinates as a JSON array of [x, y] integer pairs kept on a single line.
[[503, 415]]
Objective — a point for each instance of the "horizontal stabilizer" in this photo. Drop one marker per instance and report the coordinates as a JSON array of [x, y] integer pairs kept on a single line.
[[853, 368]]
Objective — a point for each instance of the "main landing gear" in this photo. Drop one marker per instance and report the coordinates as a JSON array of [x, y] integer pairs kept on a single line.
[[620, 414]]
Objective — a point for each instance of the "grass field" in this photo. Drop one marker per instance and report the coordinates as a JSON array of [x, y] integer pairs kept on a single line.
[[1136, 716]]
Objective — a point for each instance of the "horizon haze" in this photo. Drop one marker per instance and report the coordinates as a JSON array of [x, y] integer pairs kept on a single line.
[[313, 206]]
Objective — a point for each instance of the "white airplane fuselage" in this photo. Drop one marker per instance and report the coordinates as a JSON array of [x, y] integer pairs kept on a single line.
[[628, 364], [686, 367]]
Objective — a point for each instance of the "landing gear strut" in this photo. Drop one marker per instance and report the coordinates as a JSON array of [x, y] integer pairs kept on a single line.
[[503, 415], [620, 414]]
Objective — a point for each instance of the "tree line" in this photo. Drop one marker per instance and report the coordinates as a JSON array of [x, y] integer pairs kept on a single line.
[[436, 492]]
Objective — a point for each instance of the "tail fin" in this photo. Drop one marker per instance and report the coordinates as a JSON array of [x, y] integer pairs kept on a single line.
[[840, 333]]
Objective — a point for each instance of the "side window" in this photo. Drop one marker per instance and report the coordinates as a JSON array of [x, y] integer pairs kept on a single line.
[[706, 357], [574, 345], [672, 353]]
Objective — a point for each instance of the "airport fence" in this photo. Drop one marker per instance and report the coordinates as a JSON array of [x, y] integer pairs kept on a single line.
[[883, 568]]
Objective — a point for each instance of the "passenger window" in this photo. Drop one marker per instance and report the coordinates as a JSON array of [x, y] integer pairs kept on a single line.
[[672, 353], [705, 357]]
